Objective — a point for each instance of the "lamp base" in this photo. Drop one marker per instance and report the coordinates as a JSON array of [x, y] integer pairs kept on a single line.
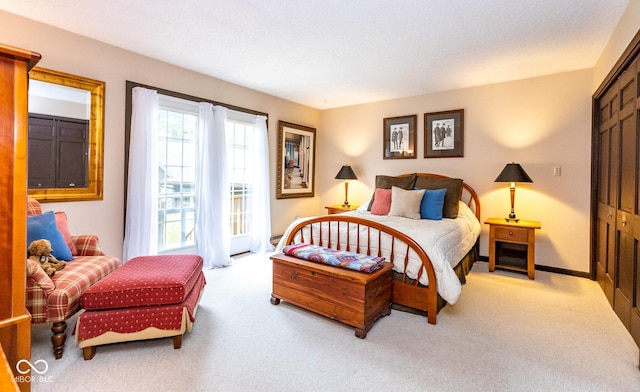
[[346, 194], [512, 219]]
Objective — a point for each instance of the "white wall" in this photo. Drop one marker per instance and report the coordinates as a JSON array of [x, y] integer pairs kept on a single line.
[[626, 29], [74, 54], [541, 123]]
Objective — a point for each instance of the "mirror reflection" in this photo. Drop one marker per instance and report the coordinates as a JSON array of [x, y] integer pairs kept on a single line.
[[58, 100], [66, 116]]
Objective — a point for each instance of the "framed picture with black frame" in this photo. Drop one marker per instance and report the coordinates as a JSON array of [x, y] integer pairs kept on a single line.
[[444, 134], [399, 136]]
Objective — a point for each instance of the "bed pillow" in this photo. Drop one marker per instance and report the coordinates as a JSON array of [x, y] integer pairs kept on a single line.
[[451, 199], [386, 182], [63, 227], [406, 203], [364, 207], [381, 203], [432, 204], [43, 226]]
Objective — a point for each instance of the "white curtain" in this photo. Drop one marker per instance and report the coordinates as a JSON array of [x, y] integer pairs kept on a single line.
[[141, 225], [261, 219], [213, 235]]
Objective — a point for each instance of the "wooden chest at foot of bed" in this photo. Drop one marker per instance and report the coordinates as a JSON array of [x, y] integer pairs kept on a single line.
[[351, 297]]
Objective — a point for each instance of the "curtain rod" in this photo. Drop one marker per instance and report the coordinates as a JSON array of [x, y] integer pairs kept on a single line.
[[131, 85]]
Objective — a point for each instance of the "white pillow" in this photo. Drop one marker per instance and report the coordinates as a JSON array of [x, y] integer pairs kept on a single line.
[[406, 203], [364, 207]]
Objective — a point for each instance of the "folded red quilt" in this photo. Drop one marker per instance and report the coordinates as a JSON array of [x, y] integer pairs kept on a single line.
[[338, 258]]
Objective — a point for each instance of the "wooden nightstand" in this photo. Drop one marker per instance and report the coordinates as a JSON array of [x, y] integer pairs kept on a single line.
[[338, 208], [512, 245]]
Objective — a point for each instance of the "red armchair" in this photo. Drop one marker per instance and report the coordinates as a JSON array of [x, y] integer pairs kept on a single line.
[[55, 299]]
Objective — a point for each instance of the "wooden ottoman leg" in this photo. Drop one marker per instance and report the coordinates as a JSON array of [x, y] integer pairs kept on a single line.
[[177, 342], [88, 353], [58, 338]]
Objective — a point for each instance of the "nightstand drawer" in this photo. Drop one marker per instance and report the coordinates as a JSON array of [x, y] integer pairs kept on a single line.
[[514, 234]]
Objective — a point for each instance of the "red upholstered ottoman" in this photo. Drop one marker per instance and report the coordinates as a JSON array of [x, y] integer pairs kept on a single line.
[[148, 297]]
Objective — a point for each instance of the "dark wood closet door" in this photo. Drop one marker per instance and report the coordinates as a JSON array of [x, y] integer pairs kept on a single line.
[[615, 196], [617, 226], [626, 296], [609, 140]]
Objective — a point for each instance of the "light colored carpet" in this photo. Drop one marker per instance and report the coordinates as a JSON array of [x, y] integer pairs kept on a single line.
[[506, 333]]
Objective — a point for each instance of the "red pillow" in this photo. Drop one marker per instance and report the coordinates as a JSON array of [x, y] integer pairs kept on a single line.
[[381, 202], [63, 228]]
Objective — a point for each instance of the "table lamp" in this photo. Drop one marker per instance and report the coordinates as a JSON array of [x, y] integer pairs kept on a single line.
[[346, 174], [513, 173]]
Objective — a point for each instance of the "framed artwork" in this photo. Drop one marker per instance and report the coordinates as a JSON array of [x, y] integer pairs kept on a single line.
[[444, 134], [296, 160], [399, 136]]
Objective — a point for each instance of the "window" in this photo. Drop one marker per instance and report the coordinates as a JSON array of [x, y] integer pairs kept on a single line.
[[177, 141], [240, 150], [176, 145]]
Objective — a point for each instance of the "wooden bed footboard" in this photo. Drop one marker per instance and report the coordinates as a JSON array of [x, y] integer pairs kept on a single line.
[[369, 240], [406, 291]]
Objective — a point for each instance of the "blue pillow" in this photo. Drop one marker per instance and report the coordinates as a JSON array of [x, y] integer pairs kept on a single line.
[[432, 204], [43, 226]]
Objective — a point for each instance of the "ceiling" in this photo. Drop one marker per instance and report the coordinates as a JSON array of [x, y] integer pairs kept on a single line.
[[333, 53]]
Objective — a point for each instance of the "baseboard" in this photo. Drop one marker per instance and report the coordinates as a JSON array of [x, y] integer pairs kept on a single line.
[[546, 268], [563, 271]]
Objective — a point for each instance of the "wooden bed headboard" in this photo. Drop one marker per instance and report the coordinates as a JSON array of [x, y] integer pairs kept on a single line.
[[469, 195]]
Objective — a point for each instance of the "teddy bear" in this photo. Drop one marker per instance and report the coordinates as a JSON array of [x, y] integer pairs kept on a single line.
[[40, 251]]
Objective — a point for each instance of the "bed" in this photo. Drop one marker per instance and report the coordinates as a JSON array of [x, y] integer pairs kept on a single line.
[[430, 257]]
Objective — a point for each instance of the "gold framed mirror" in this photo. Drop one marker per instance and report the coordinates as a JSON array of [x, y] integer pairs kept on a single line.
[[91, 186]]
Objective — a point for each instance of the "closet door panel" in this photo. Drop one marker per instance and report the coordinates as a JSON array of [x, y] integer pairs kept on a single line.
[[605, 270], [627, 214], [628, 159], [72, 158], [42, 150], [607, 167], [625, 282]]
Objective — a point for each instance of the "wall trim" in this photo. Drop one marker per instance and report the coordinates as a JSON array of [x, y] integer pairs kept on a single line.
[[546, 268]]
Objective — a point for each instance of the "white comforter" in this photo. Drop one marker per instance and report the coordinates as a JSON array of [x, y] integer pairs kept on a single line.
[[445, 242]]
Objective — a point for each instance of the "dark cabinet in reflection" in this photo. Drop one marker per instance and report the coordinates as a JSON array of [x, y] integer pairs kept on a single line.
[[58, 149]]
